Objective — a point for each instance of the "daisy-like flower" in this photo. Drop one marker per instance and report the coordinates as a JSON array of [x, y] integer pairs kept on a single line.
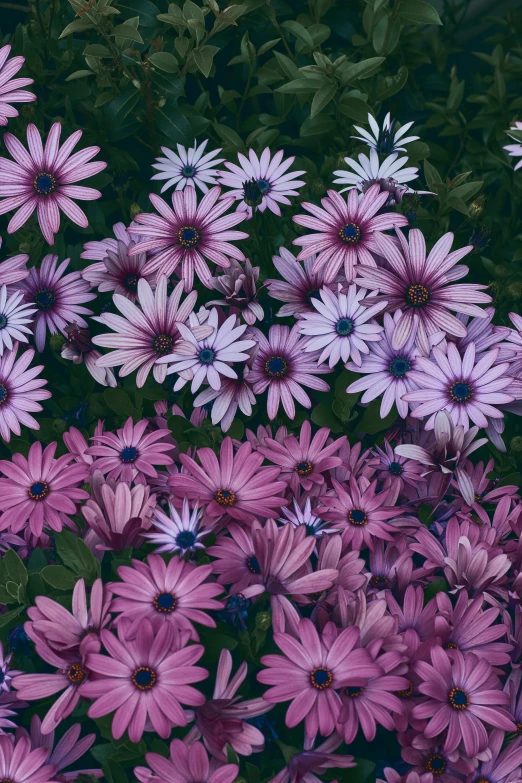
[[186, 764], [20, 764], [464, 388], [515, 150], [302, 285], [79, 348], [10, 89], [57, 297], [239, 287], [188, 234], [305, 767], [311, 671], [503, 766], [14, 315], [428, 756], [236, 484], [143, 335], [6, 672], [42, 179], [129, 454], [347, 231], [233, 393], [146, 679], [391, 175], [119, 270], [271, 176], [338, 327], [236, 563], [40, 490], [175, 594], [315, 526], [188, 167], [13, 269], [418, 285], [68, 749], [209, 358], [397, 470], [386, 139], [20, 392], [282, 367], [177, 532], [463, 694]]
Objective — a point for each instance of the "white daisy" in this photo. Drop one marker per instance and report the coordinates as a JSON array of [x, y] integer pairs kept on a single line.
[[13, 319], [177, 532], [369, 171], [209, 358], [385, 139], [188, 167], [305, 516], [515, 150]]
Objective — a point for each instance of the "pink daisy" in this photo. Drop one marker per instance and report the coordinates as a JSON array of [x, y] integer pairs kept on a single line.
[[119, 270], [188, 234], [10, 91], [58, 298], [301, 285], [236, 561], [348, 231], [42, 179], [13, 269], [68, 749], [20, 392], [173, 593], [19, 763], [40, 490], [186, 764]]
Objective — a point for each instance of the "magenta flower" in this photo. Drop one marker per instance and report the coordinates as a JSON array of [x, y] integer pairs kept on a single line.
[[186, 764], [348, 231], [236, 484], [173, 594], [13, 269], [466, 389], [147, 679], [188, 234], [58, 298], [504, 766], [233, 393], [236, 563], [283, 368], [20, 392], [301, 286], [418, 285], [302, 767], [10, 91], [396, 471], [129, 454], [428, 756], [463, 694], [119, 270], [311, 671], [20, 764], [6, 672], [42, 179], [68, 749], [40, 490]]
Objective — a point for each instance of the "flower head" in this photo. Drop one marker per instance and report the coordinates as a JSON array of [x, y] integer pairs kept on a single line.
[[20, 764], [20, 392], [189, 167], [232, 394], [186, 764], [387, 138], [79, 348], [10, 91], [177, 532], [68, 749], [119, 269], [515, 150], [391, 175], [239, 287], [302, 285], [6, 672]]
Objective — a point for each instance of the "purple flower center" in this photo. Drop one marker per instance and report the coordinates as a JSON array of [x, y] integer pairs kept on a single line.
[[407, 692], [460, 392], [44, 183], [45, 299], [39, 490], [276, 367], [144, 678], [130, 282], [253, 565], [186, 539], [188, 171], [353, 692], [519, 729], [162, 344], [344, 327], [399, 366], [206, 356], [350, 233], [188, 236], [417, 295], [458, 699], [225, 497], [75, 673], [435, 763], [379, 580], [304, 468], [357, 517], [321, 678], [395, 468], [4, 393], [129, 454], [165, 603]]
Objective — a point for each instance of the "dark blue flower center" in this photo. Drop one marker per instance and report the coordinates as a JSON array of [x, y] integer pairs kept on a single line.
[[304, 468], [252, 193], [129, 454], [460, 392], [186, 539], [379, 580], [3, 321], [188, 236], [357, 517], [399, 366], [4, 394], [435, 763], [44, 184], [2, 676], [395, 468], [276, 367], [225, 497], [144, 678], [263, 186], [458, 699], [385, 139], [350, 233], [130, 282], [207, 356], [162, 344], [353, 692], [45, 299], [344, 327], [165, 603], [253, 565], [314, 293], [188, 171], [39, 490], [417, 295], [321, 678]]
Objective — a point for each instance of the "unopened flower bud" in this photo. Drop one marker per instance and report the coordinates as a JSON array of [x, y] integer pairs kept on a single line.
[[516, 443], [263, 621], [56, 341], [477, 207], [252, 193], [515, 290], [134, 209]]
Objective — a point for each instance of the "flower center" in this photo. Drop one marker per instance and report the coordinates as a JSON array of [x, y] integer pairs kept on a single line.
[[130, 282], [129, 454], [357, 517], [263, 186], [188, 236], [4, 394], [304, 468], [188, 171], [458, 699], [162, 344], [3, 321], [253, 565], [75, 673], [344, 327], [519, 729], [44, 183], [252, 193], [351, 234], [407, 692], [460, 392], [314, 293], [276, 367], [451, 646], [45, 299], [379, 580], [399, 366], [395, 468], [185, 539], [435, 763], [165, 603], [353, 692], [144, 678], [417, 295], [225, 497], [39, 490], [321, 678], [206, 356]]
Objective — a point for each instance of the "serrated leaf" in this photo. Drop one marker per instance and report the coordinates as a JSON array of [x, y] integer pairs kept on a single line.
[[164, 61], [204, 58], [322, 98]]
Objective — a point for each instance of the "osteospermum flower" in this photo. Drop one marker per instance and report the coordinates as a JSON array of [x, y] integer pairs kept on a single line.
[[119, 270], [13, 269], [177, 532], [274, 183], [347, 231], [188, 167], [283, 368], [515, 150], [387, 138], [315, 526], [69, 749], [232, 394], [57, 297], [79, 348], [188, 234], [43, 179], [20, 764], [20, 392], [6, 672], [465, 389], [339, 326], [391, 175], [301, 286], [186, 764], [418, 285], [40, 489], [10, 89]]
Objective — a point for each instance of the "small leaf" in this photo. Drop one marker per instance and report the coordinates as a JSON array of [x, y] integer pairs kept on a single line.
[[127, 31], [78, 26], [418, 12], [204, 58], [431, 174], [351, 72], [300, 32], [229, 136], [164, 61], [59, 577], [6, 618], [392, 84], [322, 98], [97, 50], [354, 108], [78, 75]]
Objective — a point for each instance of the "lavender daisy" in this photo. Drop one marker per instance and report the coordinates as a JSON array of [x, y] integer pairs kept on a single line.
[[42, 179], [515, 150], [189, 167], [10, 91], [13, 269], [348, 231], [386, 139], [177, 532], [14, 317], [20, 392], [119, 270], [391, 175], [233, 393], [301, 286]]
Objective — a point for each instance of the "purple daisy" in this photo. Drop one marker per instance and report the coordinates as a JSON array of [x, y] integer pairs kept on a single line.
[[10, 89], [503, 766], [177, 532], [233, 393], [465, 389], [348, 231], [20, 392], [119, 270], [6, 672], [428, 756], [13, 269], [188, 167], [469, 628], [301, 286], [20, 764], [418, 285], [283, 368], [42, 179], [188, 234], [186, 764], [68, 749], [236, 563], [396, 471], [58, 298]]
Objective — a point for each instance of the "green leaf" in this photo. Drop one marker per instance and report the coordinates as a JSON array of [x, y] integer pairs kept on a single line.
[[144, 9], [97, 50], [350, 72], [174, 125], [386, 35], [437, 586], [164, 61], [6, 618], [78, 75], [315, 126], [322, 98], [120, 107], [59, 577], [324, 417], [354, 108], [418, 12], [304, 86], [300, 32], [465, 191], [229, 136], [78, 26], [392, 84], [289, 68], [371, 422], [204, 58], [431, 174], [14, 568], [127, 31], [77, 555]]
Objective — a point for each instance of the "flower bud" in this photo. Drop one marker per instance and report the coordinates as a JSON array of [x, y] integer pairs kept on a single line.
[[263, 621]]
